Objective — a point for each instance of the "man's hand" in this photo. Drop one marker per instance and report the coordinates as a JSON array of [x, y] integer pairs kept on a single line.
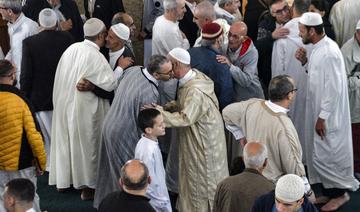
[[300, 55], [85, 85], [320, 128], [280, 33], [223, 59], [142, 35], [243, 141], [66, 25], [125, 62]]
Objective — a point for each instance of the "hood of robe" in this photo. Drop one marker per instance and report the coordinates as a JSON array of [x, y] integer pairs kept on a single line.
[[204, 84], [293, 26]]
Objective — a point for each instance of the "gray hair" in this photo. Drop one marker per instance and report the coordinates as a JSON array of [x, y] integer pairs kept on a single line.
[[206, 9], [256, 160], [131, 183], [170, 4], [14, 5], [222, 3], [279, 87], [207, 43], [155, 63]]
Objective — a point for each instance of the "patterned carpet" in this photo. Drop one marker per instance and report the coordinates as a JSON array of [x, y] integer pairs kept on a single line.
[[69, 201]]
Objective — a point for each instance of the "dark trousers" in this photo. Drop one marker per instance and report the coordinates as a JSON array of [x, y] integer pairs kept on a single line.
[[356, 145], [333, 192]]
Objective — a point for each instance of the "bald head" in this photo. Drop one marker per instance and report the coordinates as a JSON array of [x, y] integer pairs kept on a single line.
[[239, 27], [255, 154], [134, 175], [237, 34]]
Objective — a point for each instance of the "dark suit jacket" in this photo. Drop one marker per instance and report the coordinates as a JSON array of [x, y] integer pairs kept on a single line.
[[188, 27], [238, 193], [110, 94], [105, 10], [68, 8], [41, 54]]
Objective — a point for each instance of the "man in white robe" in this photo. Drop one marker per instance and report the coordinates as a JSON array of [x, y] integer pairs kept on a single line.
[[327, 115], [343, 17], [19, 28], [78, 116], [351, 53], [284, 62]]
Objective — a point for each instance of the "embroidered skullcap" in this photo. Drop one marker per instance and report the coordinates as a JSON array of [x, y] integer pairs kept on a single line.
[[311, 19], [180, 55], [211, 31], [289, 188], [358, 25], [93, 27], [121, 30], [47, 18]]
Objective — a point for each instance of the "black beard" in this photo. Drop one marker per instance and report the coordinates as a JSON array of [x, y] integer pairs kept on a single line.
[[14, 82]]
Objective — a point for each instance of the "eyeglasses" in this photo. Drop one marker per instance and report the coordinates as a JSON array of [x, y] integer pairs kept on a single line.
[[284, 9], [3, 8], [166, 73], [293, 90]]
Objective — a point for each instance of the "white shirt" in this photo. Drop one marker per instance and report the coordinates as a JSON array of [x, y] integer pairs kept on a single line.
[[166, 36], [31, 210], [150, 77], [148, 151], [188, 76], [114, 56], [18, 31]]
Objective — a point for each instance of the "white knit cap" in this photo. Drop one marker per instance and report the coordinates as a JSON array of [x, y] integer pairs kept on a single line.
[[121, 30], [289, 188], [311, 19], [47, 18], [93, 26], [358, 25], [180, 55]]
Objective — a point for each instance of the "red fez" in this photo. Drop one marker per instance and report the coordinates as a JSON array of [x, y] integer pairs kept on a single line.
[[211, 31]]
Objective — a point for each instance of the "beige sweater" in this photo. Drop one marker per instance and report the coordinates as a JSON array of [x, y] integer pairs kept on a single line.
[[260, 123]]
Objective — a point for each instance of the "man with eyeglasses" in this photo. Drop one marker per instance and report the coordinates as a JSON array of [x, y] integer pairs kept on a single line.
[[267, 121], [242, 58], [138, 86], [19, 28], [287, 197], [284, 62], [270, 29]]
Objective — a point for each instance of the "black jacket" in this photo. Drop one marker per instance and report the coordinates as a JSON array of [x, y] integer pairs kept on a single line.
[[41, 54], [68, 8], [264, 44], [266, 202], [105, 10], [122, 201], [253, 13], [188, 27]]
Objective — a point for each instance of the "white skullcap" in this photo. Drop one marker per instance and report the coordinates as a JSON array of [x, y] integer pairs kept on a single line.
[[121, 30], [289, 188], [47, 18], [358, 25], [180, 55], [311, 19], [93, 27]]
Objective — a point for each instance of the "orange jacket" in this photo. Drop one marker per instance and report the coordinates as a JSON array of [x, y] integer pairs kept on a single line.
[[21, 143]]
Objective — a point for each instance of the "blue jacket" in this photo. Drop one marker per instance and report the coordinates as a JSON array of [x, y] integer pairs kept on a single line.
[[266, 202], [204, 59]]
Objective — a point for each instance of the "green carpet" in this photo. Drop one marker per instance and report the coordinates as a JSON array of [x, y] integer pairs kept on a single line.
[[69, 201]]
